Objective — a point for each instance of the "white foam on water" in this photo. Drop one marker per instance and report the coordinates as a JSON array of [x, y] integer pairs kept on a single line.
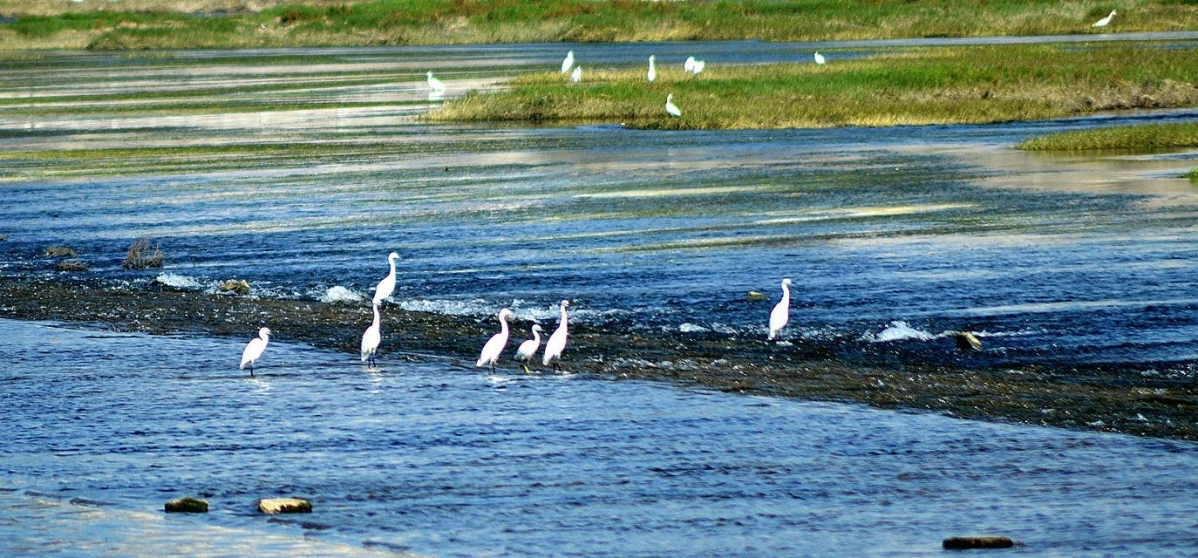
[[338, 293], [178, 281]]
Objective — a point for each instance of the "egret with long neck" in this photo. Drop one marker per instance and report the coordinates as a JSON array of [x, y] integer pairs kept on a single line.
[[529, 348], [371, 338], [386, 286], [253, 349], [496, 343], [781, 313], [557, 342]]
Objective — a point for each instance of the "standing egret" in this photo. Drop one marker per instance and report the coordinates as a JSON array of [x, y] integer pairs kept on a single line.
[[496, 343], [528, 348], [435, 84], [652, 68], [253, 349], [671, 108], [697, 67], [1105, 21], [371, 338], [781, 313], [576, 75], [569, 61], [819, 59], [689, 65], [557, 342], [386, 286]]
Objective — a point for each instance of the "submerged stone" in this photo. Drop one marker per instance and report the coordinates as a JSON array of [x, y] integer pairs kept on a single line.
[[187, 505], [754, 296], [284, 505], [71, 266], [60, 252], [238, 286], [967, 543]]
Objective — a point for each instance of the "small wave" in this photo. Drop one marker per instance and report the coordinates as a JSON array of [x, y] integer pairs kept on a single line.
[[174, 280], [692, 328], [900, 331], [338, 293]]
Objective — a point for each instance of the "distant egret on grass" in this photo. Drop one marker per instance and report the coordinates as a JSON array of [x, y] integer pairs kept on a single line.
[[557, 342], [576, 75], [496, 343], [1105, 21], [529, 348], [697, 67], [386, 286], [652, 75], [819, 59], [568, 62], [253, 349], [435, 84], [671, 108], [689, 65], [781, 313], [371, 338]]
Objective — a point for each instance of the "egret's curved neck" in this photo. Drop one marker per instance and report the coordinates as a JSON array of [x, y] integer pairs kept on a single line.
[[785, 291], [536, 336], [564, 316], [503, 324], [375, 307]]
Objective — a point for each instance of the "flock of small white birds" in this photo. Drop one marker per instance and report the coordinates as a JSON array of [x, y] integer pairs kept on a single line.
[[493, 349]]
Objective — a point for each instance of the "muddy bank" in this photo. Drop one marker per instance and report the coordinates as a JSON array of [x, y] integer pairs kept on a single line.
[[1110, 402]]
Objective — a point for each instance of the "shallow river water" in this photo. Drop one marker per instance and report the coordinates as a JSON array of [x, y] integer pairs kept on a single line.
[[895, 238]]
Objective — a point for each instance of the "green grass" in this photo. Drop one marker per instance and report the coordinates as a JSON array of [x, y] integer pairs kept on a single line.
[[932, 86], [172, 23], [1140, 138]]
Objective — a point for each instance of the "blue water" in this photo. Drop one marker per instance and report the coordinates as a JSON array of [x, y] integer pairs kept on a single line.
[[895, 238], [437, 459]]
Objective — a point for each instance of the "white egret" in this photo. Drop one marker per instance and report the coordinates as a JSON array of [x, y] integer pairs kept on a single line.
[[671, 108], [689, 65], [529, 348], [697, 67], [253, 349], [557, 342], [576, 75], [568, 62], [781, 313], [1105, 21], [435, 84], [371, 338], [386, 286], [496, 343], [819, 59], [652, 68]]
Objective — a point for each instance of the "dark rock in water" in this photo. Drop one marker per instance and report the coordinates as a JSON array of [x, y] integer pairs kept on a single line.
[[60, 252], [187, 505], [967, 543], [239, 286], [284, 505], [71, 266], [968, 342], [755, 296]]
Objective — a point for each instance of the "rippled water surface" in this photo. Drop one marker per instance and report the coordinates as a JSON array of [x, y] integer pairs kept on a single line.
[[300, 170], [437, 459]]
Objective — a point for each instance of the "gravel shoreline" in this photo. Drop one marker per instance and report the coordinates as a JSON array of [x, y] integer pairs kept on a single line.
[[750, 366]]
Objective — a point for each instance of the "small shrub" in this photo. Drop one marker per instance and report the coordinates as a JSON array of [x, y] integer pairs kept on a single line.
[[143, 256]]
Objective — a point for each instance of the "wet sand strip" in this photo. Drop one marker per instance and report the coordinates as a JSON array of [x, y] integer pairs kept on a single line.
[[1119, 403]]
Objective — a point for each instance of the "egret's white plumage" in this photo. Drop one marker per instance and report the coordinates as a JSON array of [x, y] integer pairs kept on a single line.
[[819, 59], [496, 343], [781, 313], [1105, 21], [386, 286], [671, 108], [371, 337], [557, 342], [697, 67], [569, 61], [652, 75], [689, 65], [576, 75], [253, 349], [529, 348], [435, 84]]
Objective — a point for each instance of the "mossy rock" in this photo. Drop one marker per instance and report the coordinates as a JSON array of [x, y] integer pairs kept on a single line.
[[60, 252], [284, 505], [968, 342], [237, 286], [71, 266], [755, 296], [187, 505]]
